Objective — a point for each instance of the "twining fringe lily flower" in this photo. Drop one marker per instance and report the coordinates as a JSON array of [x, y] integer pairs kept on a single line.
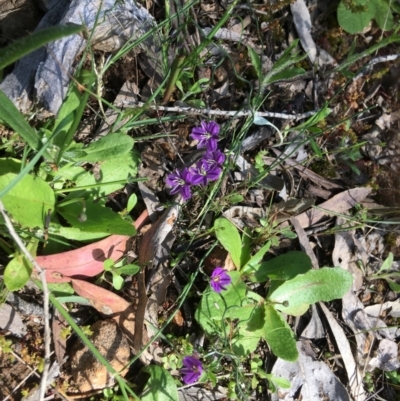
[[204, 172], [192, 369], [207, 135], [214, 157], [209, 168], [180, 181], [219, 279]]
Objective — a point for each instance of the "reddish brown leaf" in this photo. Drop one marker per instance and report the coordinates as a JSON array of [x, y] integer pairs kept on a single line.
[[108, 303], [88, 260]]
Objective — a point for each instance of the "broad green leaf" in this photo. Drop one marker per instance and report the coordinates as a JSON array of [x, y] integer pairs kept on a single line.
[[21, 47], [255, 260], [228, 235], [283, 267], [15, 120], [279, 336], [17, 273], [355, 22], [278, 381], [214, 307], [29, 201], [160, 386], [9, 165], [122, 168], [324, 284], [246, 246], [96, 218], [130, 269], [109, 147], [245, 342], [383, 15]]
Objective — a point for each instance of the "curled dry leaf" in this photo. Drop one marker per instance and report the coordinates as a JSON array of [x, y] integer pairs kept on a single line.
[[88, 260], [108, 303]]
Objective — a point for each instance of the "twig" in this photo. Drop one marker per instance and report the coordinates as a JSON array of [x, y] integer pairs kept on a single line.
[[368, 67], [233, 113], [42, 276]]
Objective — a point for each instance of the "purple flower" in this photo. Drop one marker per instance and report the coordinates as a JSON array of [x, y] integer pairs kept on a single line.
[[192, 369], [180, 181], [214, 157], [207, 135], [219, 279], [204, 172]]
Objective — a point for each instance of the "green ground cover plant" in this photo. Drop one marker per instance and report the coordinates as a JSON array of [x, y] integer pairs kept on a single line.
[[239, 308]]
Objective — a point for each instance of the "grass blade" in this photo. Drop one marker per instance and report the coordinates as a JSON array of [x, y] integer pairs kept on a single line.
[[24, 46]]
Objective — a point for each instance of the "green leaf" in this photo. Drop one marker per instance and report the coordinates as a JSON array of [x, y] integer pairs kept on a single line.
[[286, 74], [255, 61], [118, 281], [109, 147], [245, 342], [97, 218], [393, 285], [355, 22], [255, 260], [246, 246], [74, 111], [17, 273], [315, 119], [383, 15], [132, 201], [15, 120], [279, 336], [74, 233], [228, 235], [283, 267], [324, 284], [111, 170], [29, 201], [130, 269], [214, 307], [9, 165], [161, 385], [387, 263], [21, 47]]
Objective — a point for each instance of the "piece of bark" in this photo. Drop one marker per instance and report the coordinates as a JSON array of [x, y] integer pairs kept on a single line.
[[18, 85], [115, 23], [306, 172], [337, 205]]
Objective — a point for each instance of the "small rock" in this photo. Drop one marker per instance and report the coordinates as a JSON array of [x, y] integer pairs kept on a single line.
[[88, 373]]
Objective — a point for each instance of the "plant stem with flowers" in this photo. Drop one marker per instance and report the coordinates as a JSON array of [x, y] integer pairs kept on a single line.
[[207, 169]]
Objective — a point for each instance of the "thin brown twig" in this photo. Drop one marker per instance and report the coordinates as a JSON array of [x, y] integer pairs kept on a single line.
[[42, 276]]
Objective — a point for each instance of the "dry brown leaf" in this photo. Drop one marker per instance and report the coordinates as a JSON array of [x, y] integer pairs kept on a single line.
[[109, 304], [59, 340], [338, 204]]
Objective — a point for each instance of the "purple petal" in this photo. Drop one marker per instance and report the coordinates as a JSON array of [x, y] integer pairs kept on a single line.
[[191, 361], [185, 192], [219, 279], [191, 377], [211, 145]]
